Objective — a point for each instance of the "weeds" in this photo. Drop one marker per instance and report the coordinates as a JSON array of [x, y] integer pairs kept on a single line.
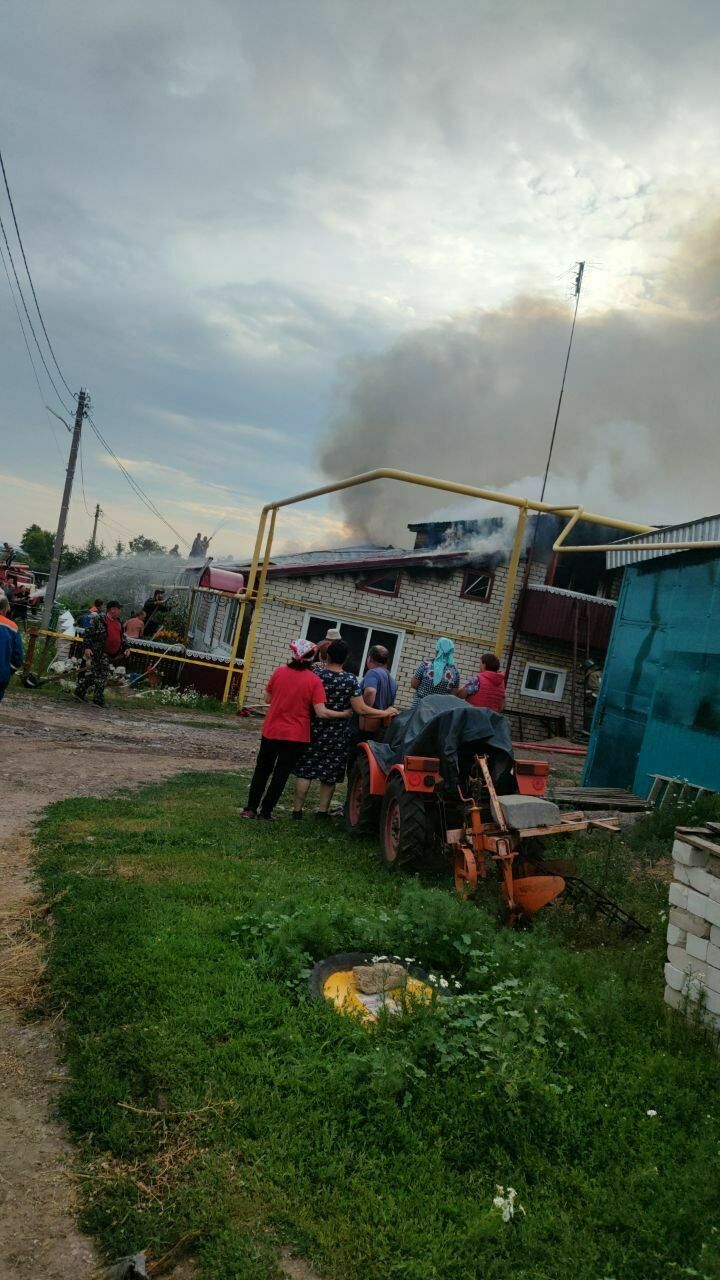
[[212, 1098]]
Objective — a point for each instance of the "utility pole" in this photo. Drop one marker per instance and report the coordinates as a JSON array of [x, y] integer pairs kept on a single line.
[[98, 514], [51, 588]]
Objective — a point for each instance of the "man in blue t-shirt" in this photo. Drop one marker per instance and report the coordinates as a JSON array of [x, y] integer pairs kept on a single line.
[[379, 689]]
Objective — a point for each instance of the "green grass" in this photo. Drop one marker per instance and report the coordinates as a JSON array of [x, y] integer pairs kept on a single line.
[[179, 955]]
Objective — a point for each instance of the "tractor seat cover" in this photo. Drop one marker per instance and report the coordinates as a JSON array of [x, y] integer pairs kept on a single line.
[[525, 811]]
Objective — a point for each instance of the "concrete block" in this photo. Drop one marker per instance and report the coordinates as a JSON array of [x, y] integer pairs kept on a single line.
[[712, 979], [700, 905], [679, 957], [678, 896], [714, 887], [674, 977], [711, 1001], [714, 934], [681, 873], [713, 955], [696, 948], [674, 998], [687, 855], [691, 924], [676, 937], [699, 880]]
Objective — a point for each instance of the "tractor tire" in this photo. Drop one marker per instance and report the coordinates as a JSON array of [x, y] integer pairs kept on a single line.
[[405, 826], [361, 810]]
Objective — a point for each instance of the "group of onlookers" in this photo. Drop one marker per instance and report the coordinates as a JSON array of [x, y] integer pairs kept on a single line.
[[319, 711], [106, 640], [440, 675]]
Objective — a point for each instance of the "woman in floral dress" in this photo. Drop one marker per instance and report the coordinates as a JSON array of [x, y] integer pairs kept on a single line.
[[325, 758]]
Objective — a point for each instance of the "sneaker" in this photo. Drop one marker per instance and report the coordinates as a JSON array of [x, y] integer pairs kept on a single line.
[[296, 815], [248, 813], [321, 813], [80, 696], [99, 702], [267, 817]]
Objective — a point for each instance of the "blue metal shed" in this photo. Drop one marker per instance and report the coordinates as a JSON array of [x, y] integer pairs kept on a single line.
[[658, 709]]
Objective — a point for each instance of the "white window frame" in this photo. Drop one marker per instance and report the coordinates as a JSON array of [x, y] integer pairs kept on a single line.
[[560, 672], [336, 620]]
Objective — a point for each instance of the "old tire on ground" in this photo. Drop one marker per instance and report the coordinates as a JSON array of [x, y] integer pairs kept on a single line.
[[361, 811], [405, 825]]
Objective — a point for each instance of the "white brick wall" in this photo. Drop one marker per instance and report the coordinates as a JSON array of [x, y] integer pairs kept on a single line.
[[427, 601], [692, 971]]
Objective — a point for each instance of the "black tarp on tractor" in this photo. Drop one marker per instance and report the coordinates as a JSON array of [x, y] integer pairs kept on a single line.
[[443, 726]]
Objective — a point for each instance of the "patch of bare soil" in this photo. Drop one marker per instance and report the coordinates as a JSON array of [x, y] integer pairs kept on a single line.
[[50, 750]]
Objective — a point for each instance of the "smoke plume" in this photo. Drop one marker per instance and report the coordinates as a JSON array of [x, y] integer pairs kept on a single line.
[[473, 399]]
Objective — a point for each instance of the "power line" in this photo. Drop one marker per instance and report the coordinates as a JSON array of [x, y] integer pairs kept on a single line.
[[82, 483], [578, 286], [30, 354], [32, 286], [134, 484], [27, 313]]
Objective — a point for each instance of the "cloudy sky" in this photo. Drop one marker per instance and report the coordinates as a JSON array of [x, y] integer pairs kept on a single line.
[[280, 241]]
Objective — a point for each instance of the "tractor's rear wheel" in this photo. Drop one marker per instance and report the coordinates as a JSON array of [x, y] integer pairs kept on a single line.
[[405, 825], [362, 811]]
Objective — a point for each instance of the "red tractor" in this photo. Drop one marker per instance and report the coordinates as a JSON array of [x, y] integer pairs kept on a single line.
[[469, 798]]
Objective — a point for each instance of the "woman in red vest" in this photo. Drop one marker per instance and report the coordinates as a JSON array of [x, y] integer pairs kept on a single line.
[[487, 688]]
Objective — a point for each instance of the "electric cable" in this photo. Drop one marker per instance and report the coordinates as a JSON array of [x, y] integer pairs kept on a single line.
[[27, 313], [148, 502], [32, 286], [30, 355], [82, 481]]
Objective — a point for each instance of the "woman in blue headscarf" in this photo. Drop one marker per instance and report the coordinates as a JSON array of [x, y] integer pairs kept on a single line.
[[437, 675]]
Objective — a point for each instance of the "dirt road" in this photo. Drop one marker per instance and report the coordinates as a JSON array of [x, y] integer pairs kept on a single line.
[[49, 750]]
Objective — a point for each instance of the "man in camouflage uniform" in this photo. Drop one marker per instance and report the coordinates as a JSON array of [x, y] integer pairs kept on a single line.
[[105, 642]]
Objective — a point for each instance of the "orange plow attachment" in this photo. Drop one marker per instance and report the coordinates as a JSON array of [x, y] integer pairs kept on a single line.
[[532, 893]]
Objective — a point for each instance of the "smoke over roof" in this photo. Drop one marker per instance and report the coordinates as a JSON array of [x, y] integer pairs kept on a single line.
[[473, 398]]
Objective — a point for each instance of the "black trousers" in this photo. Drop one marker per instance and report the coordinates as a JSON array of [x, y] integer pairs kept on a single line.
[[276, 757]]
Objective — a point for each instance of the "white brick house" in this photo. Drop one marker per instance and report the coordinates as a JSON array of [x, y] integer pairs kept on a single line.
[[406, 599]]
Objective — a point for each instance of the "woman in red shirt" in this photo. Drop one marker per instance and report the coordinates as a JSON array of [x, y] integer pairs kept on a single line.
[[294, 692], [487, 688]]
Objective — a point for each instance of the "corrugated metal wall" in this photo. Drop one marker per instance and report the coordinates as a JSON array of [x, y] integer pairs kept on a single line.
[[659, 706]]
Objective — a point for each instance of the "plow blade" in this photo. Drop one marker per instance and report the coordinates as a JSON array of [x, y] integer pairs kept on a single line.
[[532, 893]]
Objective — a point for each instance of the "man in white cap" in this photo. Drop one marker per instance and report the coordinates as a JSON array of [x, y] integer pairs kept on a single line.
[[294, 692]]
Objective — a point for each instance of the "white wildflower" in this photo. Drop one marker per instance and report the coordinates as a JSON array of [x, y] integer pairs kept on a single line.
[[505, 1202], [651, 1112], [457, 985], [444, 982]]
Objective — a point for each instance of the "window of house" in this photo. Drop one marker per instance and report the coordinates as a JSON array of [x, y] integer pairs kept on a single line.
[[228, 631], [477, 585], [381, 584], [360, 637], [543, 682]]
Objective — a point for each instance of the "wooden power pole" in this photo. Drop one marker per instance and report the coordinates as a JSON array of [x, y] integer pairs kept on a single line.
[[98, 513], [52, 582]]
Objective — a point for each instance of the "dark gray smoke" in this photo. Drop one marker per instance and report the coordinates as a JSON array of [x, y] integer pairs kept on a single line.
[[473, 399]]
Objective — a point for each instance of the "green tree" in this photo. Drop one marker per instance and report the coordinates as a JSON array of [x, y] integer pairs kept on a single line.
[[142, 546], [38, 543], [77, 557]]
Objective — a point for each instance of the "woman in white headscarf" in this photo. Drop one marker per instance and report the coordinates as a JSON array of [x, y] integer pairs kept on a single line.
[[438, 674]]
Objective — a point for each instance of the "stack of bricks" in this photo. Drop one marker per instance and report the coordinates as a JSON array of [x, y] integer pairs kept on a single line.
[[692, 972]]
